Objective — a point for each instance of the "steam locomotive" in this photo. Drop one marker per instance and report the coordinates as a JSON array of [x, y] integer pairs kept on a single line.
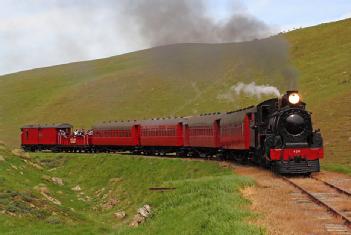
[[276, 133]]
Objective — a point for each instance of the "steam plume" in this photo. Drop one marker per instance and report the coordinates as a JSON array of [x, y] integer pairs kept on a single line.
[[252, 89]]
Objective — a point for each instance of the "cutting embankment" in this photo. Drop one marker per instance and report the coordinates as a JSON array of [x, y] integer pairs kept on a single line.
[[100, 194]]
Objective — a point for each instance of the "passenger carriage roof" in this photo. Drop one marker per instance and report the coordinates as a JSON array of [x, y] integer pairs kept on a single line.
[[53, 125], [129, 124], [204, 119], [162, 121], [208, 119], [114, 125], [236, 116]]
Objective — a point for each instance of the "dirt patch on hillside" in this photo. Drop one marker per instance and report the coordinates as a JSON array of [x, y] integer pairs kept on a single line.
[[282, 209]]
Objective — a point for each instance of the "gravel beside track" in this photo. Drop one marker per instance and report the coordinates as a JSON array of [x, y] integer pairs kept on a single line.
[[288, 209]]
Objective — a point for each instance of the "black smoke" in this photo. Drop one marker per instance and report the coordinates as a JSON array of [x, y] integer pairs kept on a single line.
[[66, 31], [162, 22]]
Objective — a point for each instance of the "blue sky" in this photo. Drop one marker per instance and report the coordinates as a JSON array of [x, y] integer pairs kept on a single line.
[[288, 14], [38, 33]]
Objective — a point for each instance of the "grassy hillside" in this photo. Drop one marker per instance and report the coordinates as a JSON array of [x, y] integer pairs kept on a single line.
[[206, 198], [322, 54], [186, 79]]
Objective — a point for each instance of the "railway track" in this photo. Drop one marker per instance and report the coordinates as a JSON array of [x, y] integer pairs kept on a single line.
[[341, 190], [309, 204], [335, 199]]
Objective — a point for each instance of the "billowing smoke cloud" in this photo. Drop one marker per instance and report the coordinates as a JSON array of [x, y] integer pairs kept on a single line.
[[179, 21], [162, 22], [252, 89], [53, 32]]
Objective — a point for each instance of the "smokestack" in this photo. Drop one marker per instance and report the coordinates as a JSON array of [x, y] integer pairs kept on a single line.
[[290, 92]]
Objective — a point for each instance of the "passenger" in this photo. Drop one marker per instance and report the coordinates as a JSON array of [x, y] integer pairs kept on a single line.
[[62, 133], [80, 132], [75, 132]]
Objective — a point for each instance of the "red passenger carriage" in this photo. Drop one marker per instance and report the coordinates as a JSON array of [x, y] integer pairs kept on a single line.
[[161, 134], [235, 132], [43, 137], [203, 131], [115, 135]]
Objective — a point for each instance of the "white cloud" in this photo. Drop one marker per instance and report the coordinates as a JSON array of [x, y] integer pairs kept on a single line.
[[63, 34], [36, 33]]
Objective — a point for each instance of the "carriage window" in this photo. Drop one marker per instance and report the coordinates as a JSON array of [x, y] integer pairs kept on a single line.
[[27, 135]]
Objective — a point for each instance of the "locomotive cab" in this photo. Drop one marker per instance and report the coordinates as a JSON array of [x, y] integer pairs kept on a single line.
[[286, 140]]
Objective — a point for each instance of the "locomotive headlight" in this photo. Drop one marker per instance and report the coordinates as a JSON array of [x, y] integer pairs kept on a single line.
[[294, 98]]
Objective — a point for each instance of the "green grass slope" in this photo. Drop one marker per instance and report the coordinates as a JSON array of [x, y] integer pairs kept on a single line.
[[206, 198], [322, 54], [186, 79]]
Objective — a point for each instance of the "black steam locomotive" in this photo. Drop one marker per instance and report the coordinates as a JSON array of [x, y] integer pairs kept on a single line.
[[284, 137]]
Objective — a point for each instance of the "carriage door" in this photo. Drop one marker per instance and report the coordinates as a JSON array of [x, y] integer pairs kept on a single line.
[[137, 134], [40, 135]]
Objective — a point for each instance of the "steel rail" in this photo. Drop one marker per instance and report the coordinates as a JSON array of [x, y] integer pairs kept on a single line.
[[332, 186], [334, 211]]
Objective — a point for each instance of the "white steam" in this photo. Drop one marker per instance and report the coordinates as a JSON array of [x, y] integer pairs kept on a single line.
[[252, 89]]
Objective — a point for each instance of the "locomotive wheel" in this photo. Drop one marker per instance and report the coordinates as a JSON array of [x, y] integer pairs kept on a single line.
[[244, 159], [263, 162], [223, 157]]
